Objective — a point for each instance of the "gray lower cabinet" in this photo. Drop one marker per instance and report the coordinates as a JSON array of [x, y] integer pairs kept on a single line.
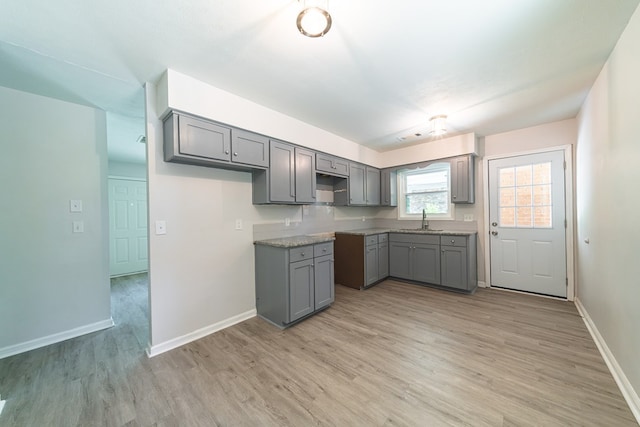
[[458, 262], [462, 179], [376, 258], [192, 140], [445, 260], [290, 178], [415, 257], [293, 283]]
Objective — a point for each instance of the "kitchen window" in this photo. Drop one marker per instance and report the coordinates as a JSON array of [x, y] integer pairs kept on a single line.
[[427, 188]]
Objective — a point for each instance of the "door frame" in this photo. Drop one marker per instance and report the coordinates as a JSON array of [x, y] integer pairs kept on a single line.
[[569, 212]]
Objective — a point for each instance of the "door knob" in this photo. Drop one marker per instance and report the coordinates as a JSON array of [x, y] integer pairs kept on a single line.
[[494, 233]]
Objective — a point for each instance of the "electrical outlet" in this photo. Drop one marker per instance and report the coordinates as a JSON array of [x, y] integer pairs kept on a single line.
[[238, 224], [468, 217], [161, 227], [78, 226], [363, 218]]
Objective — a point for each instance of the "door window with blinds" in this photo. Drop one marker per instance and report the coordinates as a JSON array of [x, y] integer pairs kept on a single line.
[[525, 196], [427, 188]]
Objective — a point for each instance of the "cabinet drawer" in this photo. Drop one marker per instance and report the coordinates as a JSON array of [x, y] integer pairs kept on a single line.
[[331, 165], [453, 241], [371, 240], [323, 249], [382, 238], [300, 253], [428, 239]]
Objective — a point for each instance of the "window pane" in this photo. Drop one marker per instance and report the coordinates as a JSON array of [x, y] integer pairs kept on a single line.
[[523, 217], [430, 181], [507, 217], [507, 177], [507, 197], [542, 217], [433, 203], [542, 173], [542, 195], [524, 175], [523, 196]]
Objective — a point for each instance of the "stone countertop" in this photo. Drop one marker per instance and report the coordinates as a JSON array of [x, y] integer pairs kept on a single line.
[[295, 241], [371, 231]]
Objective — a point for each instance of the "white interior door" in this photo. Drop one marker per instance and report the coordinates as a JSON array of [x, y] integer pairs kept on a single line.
[[527, 223], [127, 227]]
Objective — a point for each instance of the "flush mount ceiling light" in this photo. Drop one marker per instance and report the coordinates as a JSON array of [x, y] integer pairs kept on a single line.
[[438, 125], [314, 20]]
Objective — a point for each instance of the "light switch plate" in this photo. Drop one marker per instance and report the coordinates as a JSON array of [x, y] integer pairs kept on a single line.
[[468, 217], [75, 205], [78, 226], [161, 227]]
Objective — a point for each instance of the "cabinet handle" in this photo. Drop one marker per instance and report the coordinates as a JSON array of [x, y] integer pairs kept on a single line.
[[455, 197], [324, 250], [302, 254], [226, 151], [453, 241], [235, 154]]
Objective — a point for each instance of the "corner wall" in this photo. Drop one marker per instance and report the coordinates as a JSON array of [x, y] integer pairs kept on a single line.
[[608, 240], [54, 284]]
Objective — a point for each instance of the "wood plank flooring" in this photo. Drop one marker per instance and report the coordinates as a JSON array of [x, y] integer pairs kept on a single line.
[[396, 354]]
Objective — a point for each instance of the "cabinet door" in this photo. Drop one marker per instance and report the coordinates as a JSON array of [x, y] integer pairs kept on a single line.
[[388, 188], [400, 260], [383, 261], [204, 139], [462, 180], [372, 187], [371, 264], [305, 176], [425, 263], [301, 289], [324, 281], [357, 183], [454, 267], [282, 172], [249, 148], [331, 165]]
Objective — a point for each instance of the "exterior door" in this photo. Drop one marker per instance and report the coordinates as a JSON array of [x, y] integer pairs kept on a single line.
[[127, 227], [527, 223]]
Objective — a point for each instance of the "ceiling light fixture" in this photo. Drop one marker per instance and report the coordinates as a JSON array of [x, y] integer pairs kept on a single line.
[[438, 125], [314, 20]]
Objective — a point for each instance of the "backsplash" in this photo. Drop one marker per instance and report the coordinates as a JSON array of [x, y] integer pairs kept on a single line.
[[324, 218]]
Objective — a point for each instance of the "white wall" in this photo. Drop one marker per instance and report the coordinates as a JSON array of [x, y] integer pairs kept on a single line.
[[608, 203], [128, 170], [54, 284]]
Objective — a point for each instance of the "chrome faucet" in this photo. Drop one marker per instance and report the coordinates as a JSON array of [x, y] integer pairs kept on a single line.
[[425, 223]]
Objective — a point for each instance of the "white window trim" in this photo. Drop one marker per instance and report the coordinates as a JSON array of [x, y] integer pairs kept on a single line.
[[403, 215]]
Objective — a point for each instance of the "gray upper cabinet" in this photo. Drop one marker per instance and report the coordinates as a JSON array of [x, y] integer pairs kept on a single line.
[[305, 175], [388, 187], [290, 178], [249, 148], [331, 165], [462, 179], [357, 184], [372, 187], [282, 175], [196, 141]]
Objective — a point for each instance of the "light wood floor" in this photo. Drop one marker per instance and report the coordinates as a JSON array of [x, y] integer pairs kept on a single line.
[[396, 354]]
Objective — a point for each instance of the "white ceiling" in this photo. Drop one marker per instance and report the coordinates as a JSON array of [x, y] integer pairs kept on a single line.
[[379, 74]]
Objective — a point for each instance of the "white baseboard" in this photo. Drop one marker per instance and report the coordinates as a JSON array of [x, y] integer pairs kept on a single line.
[[620, 378], [154, 350], [482, 284], [55, 338]]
